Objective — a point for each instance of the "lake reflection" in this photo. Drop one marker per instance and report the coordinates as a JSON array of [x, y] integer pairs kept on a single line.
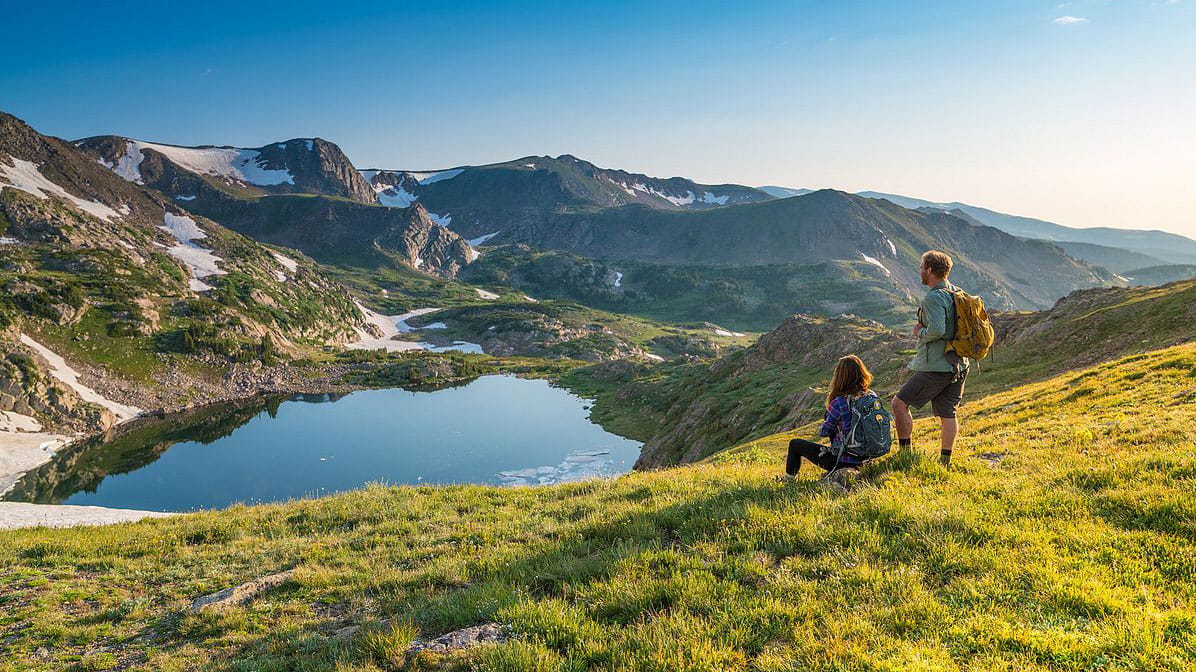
[[497, 429]]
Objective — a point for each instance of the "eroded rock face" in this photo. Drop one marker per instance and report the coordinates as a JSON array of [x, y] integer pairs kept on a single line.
[[238, 595]]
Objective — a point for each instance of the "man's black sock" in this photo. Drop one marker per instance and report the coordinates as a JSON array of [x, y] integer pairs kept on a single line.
[[903, 443], [945, 456]]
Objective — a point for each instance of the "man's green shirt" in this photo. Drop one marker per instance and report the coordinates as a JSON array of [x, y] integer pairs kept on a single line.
[[937, 314]]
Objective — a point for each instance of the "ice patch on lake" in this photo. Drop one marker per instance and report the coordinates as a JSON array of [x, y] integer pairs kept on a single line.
[[875, 262], [240, 165], [579, 465], [458, 346], [27, 177]]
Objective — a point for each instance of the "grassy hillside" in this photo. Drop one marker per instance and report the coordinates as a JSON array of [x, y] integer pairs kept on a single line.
[[755, 297], [686, 411], [1061, 539]]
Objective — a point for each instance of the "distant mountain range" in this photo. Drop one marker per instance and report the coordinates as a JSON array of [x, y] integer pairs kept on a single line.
[[1094, 242], [305, 193]]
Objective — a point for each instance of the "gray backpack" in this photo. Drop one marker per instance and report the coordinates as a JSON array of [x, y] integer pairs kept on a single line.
[[871, 429]]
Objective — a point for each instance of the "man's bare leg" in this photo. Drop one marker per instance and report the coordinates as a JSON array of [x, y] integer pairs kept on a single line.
[[904, 421], [950, 431]]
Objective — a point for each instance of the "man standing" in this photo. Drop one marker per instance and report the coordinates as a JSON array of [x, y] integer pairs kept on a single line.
[[938, 374]]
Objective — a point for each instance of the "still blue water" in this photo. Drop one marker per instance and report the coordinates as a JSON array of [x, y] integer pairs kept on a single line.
[[497, 429]]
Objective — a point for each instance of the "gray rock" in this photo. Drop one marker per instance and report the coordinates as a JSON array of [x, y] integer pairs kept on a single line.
[[238, 595], [489, 633]]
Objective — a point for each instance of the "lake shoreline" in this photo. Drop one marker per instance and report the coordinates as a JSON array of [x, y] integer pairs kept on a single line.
[[26, 446], [43, 481]]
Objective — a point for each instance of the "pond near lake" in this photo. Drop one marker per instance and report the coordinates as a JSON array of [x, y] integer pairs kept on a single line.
[[496, 430]]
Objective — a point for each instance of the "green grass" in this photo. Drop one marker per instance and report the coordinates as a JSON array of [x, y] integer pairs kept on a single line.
[[1073, 552]]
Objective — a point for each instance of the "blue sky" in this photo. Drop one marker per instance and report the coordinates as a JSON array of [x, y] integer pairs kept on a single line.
[[1078, 112]]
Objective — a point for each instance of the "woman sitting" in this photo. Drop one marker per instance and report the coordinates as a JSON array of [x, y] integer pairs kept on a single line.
[[851, 381]]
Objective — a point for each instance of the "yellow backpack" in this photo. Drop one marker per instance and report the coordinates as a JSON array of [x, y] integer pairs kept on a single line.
[[974, 334]]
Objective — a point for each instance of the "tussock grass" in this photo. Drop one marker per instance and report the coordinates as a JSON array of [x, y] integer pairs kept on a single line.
[[1075, 549]]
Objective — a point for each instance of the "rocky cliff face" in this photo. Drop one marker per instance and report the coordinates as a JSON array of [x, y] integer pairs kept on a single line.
[[297, 166], [337, 231]]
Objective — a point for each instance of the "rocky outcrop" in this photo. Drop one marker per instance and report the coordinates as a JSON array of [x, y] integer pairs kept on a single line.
[[240, 594]]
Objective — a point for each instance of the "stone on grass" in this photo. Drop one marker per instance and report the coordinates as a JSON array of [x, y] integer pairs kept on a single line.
[[489, 633], [238, 595]]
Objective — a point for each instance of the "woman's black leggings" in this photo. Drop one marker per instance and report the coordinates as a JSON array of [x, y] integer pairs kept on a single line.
[[799, 448]]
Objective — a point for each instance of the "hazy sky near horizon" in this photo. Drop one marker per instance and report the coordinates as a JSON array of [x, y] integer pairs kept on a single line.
[[1082, 113]]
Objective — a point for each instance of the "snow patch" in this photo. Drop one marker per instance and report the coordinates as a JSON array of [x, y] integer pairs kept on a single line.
[[70, 377], [128, 165], [618, 279], [724, 332], [490, 296], [286, 262], [27, 177], [530, 299], [8, 240], [441, 220], [437, 176], [875, 262], [653, 357], [480, 240], [529, 165], [240, 165], [892, 247], [400, 321], [200, 262], [184, 198], [675, 200], [711, 199], [396, 197], [419, 262]]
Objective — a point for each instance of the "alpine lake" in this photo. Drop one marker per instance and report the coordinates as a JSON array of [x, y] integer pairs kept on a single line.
[[498, 430]]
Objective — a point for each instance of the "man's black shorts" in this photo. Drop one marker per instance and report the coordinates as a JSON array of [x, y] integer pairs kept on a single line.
[[944, 391]]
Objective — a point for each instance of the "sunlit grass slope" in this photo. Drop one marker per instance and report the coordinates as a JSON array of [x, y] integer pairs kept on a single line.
[[1063, 538]]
